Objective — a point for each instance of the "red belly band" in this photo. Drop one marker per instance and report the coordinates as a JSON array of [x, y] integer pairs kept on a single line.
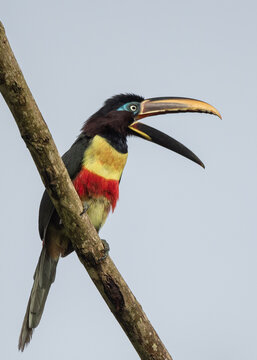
[[88, 184]]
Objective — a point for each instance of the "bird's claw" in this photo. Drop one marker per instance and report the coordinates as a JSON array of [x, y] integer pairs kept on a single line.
[[105, 250], [85, 208]]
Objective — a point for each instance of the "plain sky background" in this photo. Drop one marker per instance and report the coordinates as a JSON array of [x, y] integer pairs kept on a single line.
[[184, 238]]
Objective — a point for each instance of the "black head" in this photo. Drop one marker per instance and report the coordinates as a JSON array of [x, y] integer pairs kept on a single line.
[[120, 115], [115, 102], [109, 120]]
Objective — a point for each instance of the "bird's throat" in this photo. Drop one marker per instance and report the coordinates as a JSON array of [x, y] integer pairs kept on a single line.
[[103, 159]]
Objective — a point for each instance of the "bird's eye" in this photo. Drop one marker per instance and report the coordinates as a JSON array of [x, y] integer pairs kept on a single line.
[[133, 108]]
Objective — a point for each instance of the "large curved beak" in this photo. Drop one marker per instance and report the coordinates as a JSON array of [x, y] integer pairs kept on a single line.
[[164, 105], [157, 106]]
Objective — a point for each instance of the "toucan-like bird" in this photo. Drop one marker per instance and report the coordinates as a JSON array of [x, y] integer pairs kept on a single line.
[[95, 163]]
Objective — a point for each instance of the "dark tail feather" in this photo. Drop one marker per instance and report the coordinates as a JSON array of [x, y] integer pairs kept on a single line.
[[43, 278]]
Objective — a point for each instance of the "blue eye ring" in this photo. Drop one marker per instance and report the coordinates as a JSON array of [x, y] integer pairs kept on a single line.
[[132, 107]]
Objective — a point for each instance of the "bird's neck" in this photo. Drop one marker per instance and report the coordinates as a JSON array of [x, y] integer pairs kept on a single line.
[[116, 140]]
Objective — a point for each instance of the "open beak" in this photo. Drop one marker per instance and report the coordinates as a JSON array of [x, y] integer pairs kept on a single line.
[[157, 106]]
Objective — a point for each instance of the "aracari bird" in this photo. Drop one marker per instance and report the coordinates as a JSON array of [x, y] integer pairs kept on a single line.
[[95, 163]]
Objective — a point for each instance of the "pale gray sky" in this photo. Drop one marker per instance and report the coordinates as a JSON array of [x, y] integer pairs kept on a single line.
[[184, 238]]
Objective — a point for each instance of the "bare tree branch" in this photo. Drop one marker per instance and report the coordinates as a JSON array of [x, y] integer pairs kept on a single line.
[[83, 235]]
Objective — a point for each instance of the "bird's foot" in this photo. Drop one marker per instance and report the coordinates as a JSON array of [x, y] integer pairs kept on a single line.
[[85, 208], [105, 250]]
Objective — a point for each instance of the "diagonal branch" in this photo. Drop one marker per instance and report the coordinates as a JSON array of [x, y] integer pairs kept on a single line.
[[83, 235]]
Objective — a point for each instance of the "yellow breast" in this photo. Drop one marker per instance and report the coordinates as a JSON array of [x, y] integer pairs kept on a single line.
[[102, 159]]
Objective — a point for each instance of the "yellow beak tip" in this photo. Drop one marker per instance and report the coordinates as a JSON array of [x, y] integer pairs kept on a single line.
[[219, 114]]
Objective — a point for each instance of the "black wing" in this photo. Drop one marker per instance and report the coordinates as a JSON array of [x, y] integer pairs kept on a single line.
[[72, 160]]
